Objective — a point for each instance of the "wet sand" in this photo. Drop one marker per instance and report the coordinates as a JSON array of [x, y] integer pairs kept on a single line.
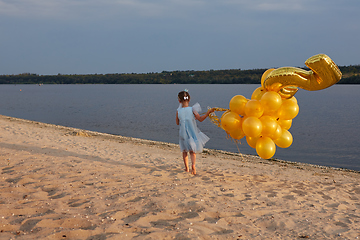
[[66, 183]]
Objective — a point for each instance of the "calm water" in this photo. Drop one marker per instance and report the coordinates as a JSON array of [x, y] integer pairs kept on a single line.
[[325, 132]]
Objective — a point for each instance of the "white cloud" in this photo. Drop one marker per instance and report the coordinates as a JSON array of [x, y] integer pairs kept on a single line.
[[273, 5], [34, 8], [47, 8], [153, 8], [78, 8], [281, 6]]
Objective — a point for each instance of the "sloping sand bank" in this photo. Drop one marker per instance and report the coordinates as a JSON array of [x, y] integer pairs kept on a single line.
[[65, 183]]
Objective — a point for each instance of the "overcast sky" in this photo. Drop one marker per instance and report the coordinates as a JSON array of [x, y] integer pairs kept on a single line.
[[142, 36]]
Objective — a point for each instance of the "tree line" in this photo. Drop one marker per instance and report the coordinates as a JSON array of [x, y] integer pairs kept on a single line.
[[351, 75]]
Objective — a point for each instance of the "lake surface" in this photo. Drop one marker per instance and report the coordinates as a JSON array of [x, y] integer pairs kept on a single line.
[[326, 130]]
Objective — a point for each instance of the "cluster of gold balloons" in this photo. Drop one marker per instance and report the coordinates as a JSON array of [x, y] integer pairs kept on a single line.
[[266, 118]]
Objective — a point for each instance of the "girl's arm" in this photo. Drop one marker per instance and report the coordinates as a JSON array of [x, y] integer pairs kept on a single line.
[[203, 117], [177, 119]]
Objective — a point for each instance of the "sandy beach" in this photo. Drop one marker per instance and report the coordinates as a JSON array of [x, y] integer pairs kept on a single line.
[[66, 183]]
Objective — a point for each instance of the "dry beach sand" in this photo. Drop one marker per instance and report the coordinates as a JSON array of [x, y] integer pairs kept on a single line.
[[66, 183]]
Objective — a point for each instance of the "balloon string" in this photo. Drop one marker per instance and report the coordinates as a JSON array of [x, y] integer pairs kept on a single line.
[[237, 142], [214, 119]]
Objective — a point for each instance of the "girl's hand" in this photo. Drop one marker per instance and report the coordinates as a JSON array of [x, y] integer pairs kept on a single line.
[[211, 110], [203, 117]]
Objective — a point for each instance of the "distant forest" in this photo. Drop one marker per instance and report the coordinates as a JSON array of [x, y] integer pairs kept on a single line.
[[351, 75]]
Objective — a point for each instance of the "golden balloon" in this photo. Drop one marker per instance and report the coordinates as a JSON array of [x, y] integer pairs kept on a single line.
[[269, 125], [214, 119], [237, 104], [258, 93], [277, 134], [230, 121], [288, 110], [285, 140], [254, 108], [237, 133], [265, 74], [271, 101], [292, 99], [285, 124], [265, 147], [252, 127], [252, 141]]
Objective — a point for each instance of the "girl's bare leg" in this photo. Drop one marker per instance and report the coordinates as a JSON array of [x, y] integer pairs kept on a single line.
[[186, 161], [193, 161]]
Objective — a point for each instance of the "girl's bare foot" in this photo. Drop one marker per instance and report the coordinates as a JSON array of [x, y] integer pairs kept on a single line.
[[186, 161], [193, 172]]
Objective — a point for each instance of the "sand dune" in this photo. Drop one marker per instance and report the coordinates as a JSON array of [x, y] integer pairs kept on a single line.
[[66, 183]]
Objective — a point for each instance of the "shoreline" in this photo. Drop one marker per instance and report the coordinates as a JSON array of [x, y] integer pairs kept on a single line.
[[89, 133], [66, 183]]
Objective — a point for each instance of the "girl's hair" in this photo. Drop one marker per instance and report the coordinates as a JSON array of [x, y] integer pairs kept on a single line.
[[184, 96]]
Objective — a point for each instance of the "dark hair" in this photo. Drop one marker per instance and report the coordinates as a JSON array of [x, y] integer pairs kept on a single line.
[[184, 96]]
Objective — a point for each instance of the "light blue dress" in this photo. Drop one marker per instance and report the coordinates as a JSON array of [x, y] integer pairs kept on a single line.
[[190, 137]]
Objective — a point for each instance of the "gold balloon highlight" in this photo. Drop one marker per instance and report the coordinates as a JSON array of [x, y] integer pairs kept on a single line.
[[266, 118]]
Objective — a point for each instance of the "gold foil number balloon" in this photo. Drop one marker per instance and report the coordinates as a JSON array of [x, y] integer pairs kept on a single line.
[[323, 73]]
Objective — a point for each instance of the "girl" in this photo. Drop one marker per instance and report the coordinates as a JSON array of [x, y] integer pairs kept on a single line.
[[191, 139]]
